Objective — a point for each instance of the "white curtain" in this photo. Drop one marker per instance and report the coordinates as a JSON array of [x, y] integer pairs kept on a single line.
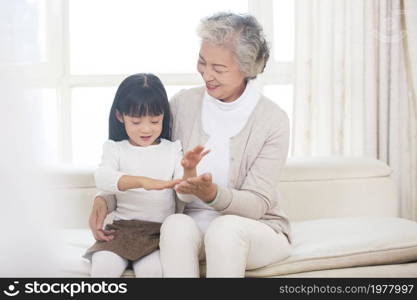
[[30, 244], [355, 85]]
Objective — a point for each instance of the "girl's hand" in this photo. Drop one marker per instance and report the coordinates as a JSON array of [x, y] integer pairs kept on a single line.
[[96, 220], [156, 184], [201, 187], [193, 157]]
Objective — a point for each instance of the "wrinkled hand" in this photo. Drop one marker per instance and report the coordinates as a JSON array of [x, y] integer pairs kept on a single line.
[[156, 184], [96, 220], [200, 186], [193, 157]]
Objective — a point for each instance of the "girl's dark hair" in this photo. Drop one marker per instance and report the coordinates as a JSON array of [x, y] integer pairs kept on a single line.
[[137, 96]]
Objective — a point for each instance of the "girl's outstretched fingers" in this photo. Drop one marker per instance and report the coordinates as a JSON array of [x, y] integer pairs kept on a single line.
[[174, 182]]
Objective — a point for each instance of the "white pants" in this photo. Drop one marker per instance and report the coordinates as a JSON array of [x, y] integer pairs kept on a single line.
[[109, 265], [231, 245]]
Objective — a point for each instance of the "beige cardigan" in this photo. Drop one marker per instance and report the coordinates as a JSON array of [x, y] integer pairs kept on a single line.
[[257, 155]]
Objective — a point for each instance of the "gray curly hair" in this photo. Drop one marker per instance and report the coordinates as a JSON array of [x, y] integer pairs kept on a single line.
[[246, 34]]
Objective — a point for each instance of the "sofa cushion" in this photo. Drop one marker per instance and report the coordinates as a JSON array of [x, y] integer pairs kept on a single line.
[[363, 197], [346, 242], [318, 245]]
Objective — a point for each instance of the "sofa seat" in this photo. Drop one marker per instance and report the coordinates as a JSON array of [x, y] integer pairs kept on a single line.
[[353, 247], [328, 244]]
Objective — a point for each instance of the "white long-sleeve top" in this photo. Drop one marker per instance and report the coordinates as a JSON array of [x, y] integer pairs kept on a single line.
[[161, 161]]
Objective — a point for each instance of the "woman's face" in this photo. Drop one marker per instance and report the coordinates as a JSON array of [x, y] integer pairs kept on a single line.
[[221, 72]]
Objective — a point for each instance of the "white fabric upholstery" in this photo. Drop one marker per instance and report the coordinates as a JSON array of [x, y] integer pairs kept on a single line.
[[334, 187], [343, 212], [306, 200], [347, 242]]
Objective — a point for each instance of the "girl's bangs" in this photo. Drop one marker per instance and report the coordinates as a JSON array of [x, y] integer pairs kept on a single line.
[[140, 107], [144, 109]]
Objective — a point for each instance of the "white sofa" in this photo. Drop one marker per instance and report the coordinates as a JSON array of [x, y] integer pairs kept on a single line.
[[344, 214]]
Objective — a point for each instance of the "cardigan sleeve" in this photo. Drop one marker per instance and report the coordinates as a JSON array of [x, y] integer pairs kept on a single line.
[[258, 192]]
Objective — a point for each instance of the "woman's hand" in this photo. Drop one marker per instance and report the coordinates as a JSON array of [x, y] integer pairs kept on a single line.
[[156, 184], [193, 157], [200, 186], [96, 220]]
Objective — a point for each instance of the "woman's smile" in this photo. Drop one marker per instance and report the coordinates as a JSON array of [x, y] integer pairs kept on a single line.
[[211, 87]]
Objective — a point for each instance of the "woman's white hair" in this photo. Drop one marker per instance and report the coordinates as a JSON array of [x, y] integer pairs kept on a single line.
[[246, 35]]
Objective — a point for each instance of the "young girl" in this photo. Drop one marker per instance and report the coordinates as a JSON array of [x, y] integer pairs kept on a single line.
[[140, 165]]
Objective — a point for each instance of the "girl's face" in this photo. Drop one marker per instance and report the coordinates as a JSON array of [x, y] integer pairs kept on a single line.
[[142, 131], [221, 72]]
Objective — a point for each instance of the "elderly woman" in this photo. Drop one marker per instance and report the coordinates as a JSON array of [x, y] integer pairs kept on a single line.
[[234, 222]]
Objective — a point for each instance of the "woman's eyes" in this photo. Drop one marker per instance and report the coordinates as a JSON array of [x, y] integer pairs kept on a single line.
[[214, 68], [153, 122]]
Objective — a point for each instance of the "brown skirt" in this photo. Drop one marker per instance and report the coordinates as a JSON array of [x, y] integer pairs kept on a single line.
[[132, 240]]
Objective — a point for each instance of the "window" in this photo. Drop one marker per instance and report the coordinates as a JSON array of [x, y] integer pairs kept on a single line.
[[105, 41], [130, 35]]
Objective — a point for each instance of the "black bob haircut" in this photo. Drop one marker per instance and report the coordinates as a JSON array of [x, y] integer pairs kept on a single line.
[[139, 95]]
